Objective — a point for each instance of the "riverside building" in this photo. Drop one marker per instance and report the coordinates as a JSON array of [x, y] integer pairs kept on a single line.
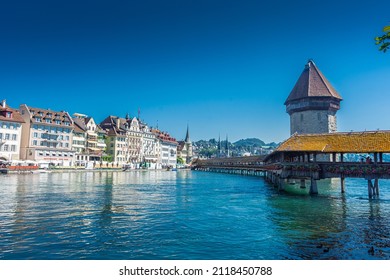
[[166, 149], [133, 143], [10, 133], [47, 137], [149, 147], [88, 141]]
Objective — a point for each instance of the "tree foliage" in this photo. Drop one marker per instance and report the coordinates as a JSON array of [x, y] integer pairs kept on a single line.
[[384, 40]]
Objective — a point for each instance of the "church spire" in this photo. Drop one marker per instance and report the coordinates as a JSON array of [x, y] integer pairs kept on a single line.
[[227, 146], [219, 145], [187, 139]]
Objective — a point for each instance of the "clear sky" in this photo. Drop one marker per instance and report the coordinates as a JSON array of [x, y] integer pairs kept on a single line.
[[221, 66]]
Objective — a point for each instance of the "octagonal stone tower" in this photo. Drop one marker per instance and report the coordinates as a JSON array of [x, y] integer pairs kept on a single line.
[[312, 103]]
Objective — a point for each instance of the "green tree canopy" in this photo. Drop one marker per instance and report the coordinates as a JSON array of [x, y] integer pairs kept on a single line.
[[384, 40]]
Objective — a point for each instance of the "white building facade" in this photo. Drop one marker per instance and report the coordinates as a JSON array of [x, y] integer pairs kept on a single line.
[[47, 137], [166, 150], [10, 133]]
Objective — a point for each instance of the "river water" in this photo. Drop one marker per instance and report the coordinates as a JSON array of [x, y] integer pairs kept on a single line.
[[187, 215]]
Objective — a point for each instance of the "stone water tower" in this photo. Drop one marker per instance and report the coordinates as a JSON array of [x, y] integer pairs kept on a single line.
[[312, 103]]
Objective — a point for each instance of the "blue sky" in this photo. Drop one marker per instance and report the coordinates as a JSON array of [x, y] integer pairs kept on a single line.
[[221, 66]]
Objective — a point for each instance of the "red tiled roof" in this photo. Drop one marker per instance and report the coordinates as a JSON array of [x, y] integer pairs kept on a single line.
[[53, 116], [312, 83], [16, 116]]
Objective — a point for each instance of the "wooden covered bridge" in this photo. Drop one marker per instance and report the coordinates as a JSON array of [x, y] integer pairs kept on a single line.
[[314, 157]]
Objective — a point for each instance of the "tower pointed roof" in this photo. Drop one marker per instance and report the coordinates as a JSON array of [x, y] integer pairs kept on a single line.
[[187, 139], [312, 83]]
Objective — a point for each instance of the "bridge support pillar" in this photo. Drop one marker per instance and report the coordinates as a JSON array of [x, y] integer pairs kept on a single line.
[[303, 185], [370, 188], [376, 187], [280, 184], [342, 183], [313, 186]]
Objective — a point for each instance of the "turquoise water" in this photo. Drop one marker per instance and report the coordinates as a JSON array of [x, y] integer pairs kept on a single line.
[[187, 215]]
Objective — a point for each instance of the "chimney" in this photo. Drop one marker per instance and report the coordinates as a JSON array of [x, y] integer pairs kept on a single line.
[[3, 103], [118, 123]]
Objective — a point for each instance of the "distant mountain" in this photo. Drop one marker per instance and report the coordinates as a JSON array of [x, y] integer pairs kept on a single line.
[[249, 142]]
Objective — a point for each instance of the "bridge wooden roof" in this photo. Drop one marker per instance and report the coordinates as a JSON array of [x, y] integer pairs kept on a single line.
[[350, 142]]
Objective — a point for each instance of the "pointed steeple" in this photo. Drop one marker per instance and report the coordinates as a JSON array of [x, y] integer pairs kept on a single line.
[[227, 146], [219, 152], [187, 139]]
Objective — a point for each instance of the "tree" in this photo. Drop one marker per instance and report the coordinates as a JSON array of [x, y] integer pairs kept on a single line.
[[384, 40], [180, 160]]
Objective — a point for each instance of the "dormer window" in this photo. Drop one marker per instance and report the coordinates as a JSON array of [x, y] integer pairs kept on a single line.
[[37, 119], [48, 120], [8, 115]]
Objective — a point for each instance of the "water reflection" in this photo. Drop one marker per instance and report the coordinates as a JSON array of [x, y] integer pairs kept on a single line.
[[331, 225], [187, 215]]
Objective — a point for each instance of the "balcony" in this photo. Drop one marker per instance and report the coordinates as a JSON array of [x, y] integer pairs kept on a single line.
[[49, 134], [51, 140]]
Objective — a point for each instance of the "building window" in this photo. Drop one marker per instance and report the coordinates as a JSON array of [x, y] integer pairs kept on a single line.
[[6, 148], [301, 117], [35, 142], [38, 119], [8, 115], [14, 137], [66, 145], [35, 134], [48, 120], [6, 136], [58, 122], [13, 148], [1, 136]]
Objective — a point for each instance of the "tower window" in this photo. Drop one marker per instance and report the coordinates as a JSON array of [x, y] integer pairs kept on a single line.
[[319, 116], [301, 117]]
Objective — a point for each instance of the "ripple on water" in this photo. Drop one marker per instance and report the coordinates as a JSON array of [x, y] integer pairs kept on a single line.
[[187, 215]]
